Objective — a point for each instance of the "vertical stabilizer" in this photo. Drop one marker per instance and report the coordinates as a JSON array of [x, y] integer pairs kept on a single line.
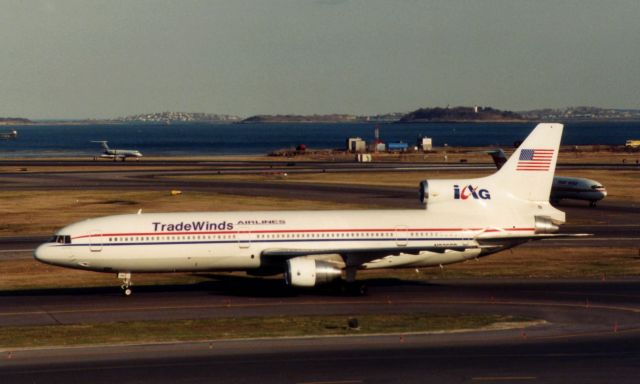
[[498, 156], [528, 174], [103, 143]]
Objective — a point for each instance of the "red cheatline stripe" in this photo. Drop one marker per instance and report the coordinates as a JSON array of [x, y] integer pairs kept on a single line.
[[304, 231]]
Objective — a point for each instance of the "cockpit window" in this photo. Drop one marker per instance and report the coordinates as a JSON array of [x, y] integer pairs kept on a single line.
[[61, 239], [596, 187]]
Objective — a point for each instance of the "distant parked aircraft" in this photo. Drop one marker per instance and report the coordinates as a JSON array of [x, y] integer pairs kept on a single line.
[[116, 154], [574, 188], [9, 135]]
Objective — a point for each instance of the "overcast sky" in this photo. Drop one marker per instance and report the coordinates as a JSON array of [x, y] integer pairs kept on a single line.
[[85, 58]]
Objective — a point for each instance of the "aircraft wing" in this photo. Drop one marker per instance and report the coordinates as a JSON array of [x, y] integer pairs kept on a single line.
[[540, 236], [286, 253]]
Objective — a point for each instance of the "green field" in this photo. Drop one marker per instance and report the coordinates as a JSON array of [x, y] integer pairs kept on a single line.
[[252, 327]]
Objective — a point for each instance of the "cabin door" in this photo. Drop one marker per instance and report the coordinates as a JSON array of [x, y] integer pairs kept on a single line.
[[244, 237], [95, 241], [401, 235]]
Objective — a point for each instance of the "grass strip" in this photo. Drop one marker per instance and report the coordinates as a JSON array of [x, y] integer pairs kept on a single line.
[[242, 327]]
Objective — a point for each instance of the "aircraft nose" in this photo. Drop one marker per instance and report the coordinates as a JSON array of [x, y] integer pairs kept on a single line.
[[51, 254], [40, 253]]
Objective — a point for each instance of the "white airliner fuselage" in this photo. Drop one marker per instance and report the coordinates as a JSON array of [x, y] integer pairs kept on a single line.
[[239, 240], [577, 188], [463, 219]]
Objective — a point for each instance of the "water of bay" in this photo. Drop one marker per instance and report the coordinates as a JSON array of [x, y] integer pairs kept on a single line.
[[200, 139]]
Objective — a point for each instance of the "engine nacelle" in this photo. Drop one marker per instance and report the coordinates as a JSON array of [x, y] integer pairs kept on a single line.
[[544, 224], [463, 191], [304, 272]]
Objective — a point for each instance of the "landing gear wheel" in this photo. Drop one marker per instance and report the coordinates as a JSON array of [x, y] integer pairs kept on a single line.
[[592, 204], [126, 283]]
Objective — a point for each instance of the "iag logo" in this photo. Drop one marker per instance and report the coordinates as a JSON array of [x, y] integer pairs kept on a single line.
[[470, 191]]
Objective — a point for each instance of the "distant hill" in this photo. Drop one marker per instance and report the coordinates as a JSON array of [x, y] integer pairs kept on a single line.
[[582, 114], [335, 118], [459, 114], [14, 121], [178, 117]]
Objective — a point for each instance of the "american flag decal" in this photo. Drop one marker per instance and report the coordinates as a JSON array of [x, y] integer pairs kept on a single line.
[[535, 160]]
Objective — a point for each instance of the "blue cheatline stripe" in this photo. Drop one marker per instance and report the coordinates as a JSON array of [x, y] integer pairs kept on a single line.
[[264, 241]]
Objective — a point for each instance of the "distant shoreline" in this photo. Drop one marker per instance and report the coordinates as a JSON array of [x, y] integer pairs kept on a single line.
[[106, 122]]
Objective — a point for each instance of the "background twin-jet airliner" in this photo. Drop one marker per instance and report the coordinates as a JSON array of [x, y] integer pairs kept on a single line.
[[462, 219], [115, 154]]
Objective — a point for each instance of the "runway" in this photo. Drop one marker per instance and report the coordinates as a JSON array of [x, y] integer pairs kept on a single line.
[[275, 162], [391, 197], [354, 360]]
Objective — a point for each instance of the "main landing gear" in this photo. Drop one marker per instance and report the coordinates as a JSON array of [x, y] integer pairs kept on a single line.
[[126, 283], [349, 286]]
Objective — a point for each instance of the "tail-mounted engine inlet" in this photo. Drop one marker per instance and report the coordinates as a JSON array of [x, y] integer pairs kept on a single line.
[[424, 192]]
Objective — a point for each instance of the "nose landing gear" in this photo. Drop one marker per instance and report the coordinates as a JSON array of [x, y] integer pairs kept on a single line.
[[126, 283]]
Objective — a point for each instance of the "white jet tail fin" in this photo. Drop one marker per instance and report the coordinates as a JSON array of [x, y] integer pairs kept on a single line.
[[103, 143], [528, 174], [498, 156]]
